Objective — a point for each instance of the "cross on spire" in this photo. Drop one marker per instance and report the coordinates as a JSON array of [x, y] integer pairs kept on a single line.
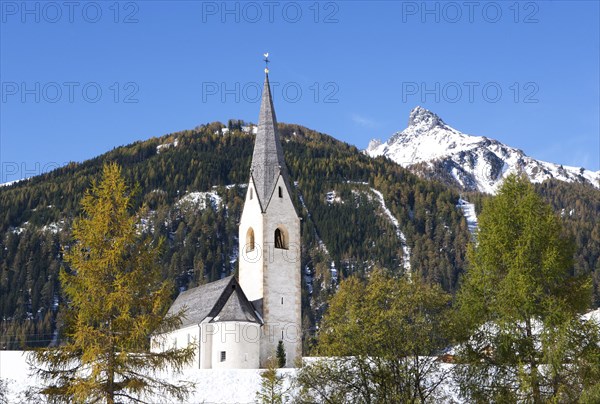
[[266, 59]]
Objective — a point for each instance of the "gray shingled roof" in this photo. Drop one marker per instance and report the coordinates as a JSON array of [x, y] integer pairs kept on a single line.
[[223, 298], [267, 158], [237, 308]]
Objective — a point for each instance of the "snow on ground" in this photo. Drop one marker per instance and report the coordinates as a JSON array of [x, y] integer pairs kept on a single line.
[[334, 272], [592, 315], [20, 229], [469, 212], [332, 197], [199, 200], [14, 371], [212, 386], [54, 227], [9, 183], [146, 224], [232, 186], [227, 386], [167, 145]]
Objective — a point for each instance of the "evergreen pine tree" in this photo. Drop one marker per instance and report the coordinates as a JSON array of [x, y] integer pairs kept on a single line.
[[519, 306], [116, 299], [281, 359], [271, 385]]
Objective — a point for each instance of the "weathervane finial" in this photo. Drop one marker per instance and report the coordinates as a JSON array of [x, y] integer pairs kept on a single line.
[[266, 59]]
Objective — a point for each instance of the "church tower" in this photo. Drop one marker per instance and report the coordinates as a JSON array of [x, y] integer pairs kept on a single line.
[[269, 241]]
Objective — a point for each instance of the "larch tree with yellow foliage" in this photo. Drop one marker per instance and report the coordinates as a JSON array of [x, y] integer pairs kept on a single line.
[[116, 299]]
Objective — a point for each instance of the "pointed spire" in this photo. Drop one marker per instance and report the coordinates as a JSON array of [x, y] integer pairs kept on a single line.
[[267, 159]]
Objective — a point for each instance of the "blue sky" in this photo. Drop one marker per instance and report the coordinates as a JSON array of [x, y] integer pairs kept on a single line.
[[78, 80]]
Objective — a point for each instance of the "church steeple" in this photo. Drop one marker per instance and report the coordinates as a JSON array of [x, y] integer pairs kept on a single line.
[[267, 159], [270, 242]]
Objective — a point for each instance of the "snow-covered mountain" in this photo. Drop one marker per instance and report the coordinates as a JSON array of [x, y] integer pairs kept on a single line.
[[429, 146]]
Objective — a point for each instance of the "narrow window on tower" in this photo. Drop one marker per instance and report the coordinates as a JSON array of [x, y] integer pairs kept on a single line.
[[282, 300], [250, 240], [280, 192], [223, 356], [251, 193], [281, 239]]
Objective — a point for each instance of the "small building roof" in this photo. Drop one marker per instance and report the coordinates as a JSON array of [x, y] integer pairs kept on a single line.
[[222, 300]]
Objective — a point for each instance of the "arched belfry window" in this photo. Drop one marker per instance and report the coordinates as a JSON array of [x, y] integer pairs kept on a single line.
[[250, 240], [281, 238]]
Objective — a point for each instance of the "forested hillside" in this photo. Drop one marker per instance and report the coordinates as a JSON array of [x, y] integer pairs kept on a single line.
[[356, 213]]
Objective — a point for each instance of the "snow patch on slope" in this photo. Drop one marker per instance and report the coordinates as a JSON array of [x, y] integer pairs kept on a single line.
[[399, 234], [20, 229], [331, 197], [592, 315], [165, 146], [200, 200], [9, 183], [54, 227], [470, 214], [393, 220]]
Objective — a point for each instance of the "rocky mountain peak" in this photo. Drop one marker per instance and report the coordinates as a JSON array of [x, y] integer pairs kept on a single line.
[[473, 163], [423, 119], [374, 144]]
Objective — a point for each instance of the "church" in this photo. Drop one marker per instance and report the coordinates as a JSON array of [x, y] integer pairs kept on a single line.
[[238, 323]]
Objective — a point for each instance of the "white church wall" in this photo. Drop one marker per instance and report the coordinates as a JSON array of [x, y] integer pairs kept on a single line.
[[251, 262], [180, 338], [239, 340], [206, 337], [235, 345]]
